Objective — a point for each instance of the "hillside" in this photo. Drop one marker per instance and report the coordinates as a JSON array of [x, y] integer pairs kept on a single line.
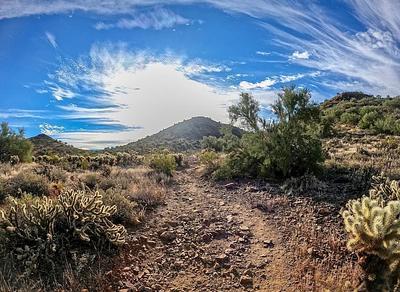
[[45, 145], [361, 111], [183, 136]]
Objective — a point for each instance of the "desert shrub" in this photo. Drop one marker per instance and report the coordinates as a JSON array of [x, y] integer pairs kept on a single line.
[[349, 118], [387, 125], [212, 143], [40, 234], [367, 121], [392, 103], [162, 162], [14, 144], [179, 159], [210, 160], [148, 193], [53, 173], [290, 146], [373, 226], [91, 179], [27, 182], [127, 212]]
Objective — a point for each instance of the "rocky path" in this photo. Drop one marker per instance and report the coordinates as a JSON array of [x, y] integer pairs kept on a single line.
[[204, 239]]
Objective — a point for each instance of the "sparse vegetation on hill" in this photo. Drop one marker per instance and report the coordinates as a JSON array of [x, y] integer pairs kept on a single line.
[[374, 113], [45, 145], [183, 136]]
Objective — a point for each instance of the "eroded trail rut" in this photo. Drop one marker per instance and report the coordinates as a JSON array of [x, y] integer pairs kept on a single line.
[[205, 239]]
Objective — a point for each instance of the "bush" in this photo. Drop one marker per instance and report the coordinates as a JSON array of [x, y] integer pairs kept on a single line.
[[212, 143], [127, 211], [387, 125], [91, 180], [27, 182], [290, 146], [210, 160], [349, 118], [164, 163], [367, 121], [14, 144], [40, 234]]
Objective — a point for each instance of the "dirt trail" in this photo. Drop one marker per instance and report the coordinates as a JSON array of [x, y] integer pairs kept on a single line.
[[205, 239]]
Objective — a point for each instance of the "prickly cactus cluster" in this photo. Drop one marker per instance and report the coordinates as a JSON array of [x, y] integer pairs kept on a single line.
[[373, 226], [36, 231]]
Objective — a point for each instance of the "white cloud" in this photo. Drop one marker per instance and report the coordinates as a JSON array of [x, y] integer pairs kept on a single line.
[[52, 39], [58, 92], [158, 19], [265, 84], [136, 90], [50, 130], [300, 55], [262, 53], [22, 113], [271, 81]]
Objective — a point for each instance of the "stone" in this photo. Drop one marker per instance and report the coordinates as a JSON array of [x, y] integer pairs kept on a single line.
[[230, 186], [167, 236], [246, 280]]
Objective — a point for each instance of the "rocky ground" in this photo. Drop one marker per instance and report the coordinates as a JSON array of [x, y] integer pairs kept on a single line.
[[234, 237]]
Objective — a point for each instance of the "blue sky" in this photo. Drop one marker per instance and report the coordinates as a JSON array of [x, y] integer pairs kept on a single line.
[[107, 72]]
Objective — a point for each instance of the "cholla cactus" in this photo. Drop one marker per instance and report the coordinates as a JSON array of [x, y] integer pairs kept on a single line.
[[385, 190], [36, 230], [374, 229], [14, 159], [87, 214]]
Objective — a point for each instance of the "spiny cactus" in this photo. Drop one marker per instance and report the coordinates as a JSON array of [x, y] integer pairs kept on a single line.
[[374, 229], [88, 215], [373, 226], [35, 231], [385, 190]]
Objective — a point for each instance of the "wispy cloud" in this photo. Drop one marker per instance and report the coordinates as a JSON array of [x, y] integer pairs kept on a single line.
[[157, 19], [271, 81], [23, 113], [300, 55], [50, 130], [262, 53], [136, 93], [370, 55], [52, 39]]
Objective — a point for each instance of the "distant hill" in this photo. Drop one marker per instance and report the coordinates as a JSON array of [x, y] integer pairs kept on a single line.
[[183, 136], [45, 145], [358, 110]]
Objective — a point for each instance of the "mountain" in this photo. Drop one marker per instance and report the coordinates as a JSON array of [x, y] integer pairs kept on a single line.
[[183, 136], [45, 145]]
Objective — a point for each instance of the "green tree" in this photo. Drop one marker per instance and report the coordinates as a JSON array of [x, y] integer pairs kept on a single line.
[[288, 146], [12, 143]]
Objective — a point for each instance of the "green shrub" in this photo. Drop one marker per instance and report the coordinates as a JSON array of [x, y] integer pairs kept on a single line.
[[387, 125], [127, 212], [40, 233], [349, 118], [291, 146], [14, 144], [27, 182], [212, 143], [210, 160], [164, 163], [368, 119], [91, 180]]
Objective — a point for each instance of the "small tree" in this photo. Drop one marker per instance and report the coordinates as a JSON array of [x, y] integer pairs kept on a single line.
[[288, 146], [14, 144]]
